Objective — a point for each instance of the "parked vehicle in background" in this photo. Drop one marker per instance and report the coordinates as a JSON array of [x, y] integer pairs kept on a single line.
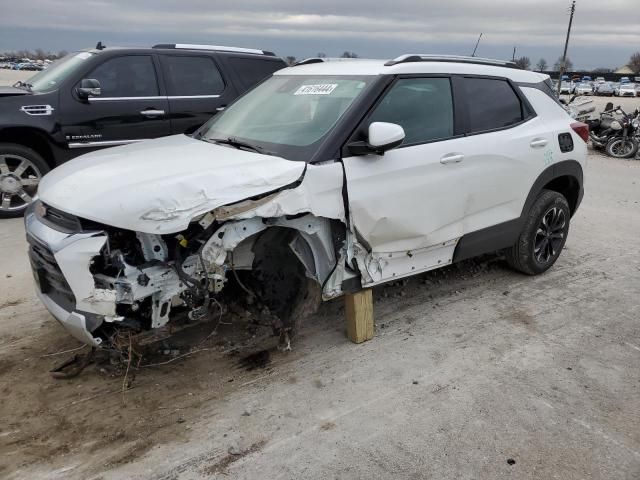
[[327, 178], [583, 88], [624, 80], [604, 88], [114, 96], [566, 87], [579, 108], [600, 80], [626, 90]]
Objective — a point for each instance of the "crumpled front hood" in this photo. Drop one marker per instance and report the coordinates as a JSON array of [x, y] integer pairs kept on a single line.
[[159, 186]]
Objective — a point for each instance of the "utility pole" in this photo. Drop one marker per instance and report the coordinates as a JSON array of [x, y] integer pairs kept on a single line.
[[476, 47], [513, 57], [566, 45]]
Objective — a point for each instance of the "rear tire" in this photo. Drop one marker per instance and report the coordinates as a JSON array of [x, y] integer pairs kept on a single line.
[[543, 235], [21, 170]]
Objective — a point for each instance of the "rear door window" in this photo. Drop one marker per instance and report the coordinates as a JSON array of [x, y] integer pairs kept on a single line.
[[253, 71], [492, 104], [127, 76], [192, 76]]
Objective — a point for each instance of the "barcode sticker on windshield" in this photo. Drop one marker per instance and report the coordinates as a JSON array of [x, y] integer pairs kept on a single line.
[[321, 89]]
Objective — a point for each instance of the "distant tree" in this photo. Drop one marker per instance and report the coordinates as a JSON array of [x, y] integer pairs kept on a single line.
[[634, 62], [62, 53], [39, 54], [290, 60], [601, 70], [322, 55], [523, 62], [541, 66], [567, 67], [349, 55]]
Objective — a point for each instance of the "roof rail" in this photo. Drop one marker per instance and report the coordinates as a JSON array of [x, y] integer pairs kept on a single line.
[[217, 48], [308, 61], [409, 58]]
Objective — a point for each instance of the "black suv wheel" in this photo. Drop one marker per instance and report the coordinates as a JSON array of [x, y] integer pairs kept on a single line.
[[543, 236], [20, 172]]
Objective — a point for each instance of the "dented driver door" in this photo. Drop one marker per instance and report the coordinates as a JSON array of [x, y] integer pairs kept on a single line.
[[408, 206]]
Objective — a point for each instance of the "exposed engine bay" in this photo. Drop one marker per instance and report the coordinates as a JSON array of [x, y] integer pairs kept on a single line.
[[133, 281]]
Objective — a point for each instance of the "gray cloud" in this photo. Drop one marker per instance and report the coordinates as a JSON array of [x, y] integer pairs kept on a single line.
[[292, 26]]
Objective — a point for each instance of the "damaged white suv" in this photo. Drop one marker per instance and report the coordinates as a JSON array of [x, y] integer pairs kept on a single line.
[[327, 178]]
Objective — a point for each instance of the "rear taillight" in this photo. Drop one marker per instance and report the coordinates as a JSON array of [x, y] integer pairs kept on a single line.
[[582, 129]]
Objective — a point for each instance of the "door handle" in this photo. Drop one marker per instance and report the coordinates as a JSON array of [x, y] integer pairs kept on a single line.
[[219, 109], [538, 142], [452, 158], [152, 113]]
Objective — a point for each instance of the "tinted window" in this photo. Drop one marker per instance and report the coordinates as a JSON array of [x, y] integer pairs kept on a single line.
[[130, 76], [193, 76], [422, 106], [492, 104], [253, 71]]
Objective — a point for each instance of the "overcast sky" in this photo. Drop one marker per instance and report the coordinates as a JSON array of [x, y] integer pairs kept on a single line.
[[605, 32]]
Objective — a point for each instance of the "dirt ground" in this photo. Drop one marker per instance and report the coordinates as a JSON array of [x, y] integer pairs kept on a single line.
[[475, 372]]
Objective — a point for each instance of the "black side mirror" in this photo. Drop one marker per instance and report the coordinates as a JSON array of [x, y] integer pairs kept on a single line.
[[89, 87]]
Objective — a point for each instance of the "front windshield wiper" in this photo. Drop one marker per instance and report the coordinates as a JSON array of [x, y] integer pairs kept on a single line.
[[234, 142], [21, 84]]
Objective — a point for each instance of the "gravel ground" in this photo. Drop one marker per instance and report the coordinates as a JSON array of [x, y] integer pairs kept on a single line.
[[475, 372], [9, 77]]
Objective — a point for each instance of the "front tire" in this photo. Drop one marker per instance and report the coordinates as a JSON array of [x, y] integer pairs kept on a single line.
[[21, 170], [620, 147], [543, 235]]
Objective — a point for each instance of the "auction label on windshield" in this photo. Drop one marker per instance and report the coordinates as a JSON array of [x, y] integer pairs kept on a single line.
[[320, 89]]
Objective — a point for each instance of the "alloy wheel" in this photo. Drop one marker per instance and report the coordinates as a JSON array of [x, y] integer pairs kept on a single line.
[[19, 178], [549, 235]]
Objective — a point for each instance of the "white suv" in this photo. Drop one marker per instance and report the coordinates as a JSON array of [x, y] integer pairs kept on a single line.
[[327, 178]]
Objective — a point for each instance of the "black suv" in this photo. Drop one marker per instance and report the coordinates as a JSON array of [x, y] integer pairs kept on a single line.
[[114, 96]]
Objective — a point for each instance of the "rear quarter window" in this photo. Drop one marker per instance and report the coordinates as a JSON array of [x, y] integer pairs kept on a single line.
[[252, 71], [492, 104], [192, 76]]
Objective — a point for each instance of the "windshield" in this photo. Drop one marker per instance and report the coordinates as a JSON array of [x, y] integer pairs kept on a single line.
[[287, 115], [50, 78]]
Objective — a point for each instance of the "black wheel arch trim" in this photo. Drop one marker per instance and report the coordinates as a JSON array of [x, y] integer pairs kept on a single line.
[[504, 235], [566, 168]]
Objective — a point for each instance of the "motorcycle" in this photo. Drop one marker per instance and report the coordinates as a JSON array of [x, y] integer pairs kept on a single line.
[[618, 136]]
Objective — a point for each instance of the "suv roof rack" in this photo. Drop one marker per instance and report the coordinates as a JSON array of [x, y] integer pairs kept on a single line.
[[409, 58], [217, 48], [310, 60]]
